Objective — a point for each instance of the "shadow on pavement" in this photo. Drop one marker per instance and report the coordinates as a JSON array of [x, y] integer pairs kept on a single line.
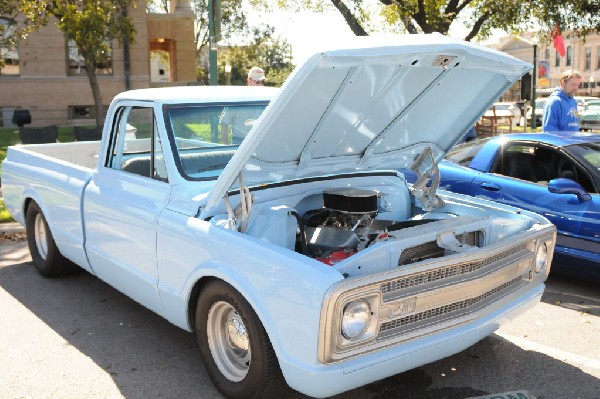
[[573, 293], [148, 357]]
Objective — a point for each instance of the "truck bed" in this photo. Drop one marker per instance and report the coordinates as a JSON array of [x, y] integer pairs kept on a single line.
[[55, 176]]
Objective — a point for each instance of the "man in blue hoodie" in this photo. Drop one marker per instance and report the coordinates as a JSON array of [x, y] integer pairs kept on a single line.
[[560, 110]]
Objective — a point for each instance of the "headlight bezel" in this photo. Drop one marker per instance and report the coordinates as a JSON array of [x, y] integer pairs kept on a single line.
[[540, 261]]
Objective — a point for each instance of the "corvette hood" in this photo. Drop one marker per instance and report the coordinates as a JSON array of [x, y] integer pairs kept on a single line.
[[373, 103]]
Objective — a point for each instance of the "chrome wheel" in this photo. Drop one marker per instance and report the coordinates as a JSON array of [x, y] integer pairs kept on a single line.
[[228, 341], [41, 236]]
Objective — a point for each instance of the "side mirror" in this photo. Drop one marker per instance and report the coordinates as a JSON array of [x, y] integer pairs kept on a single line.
[[568, 186]]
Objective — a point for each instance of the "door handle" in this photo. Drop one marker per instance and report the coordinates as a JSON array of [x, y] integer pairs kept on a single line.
[[490, 186]]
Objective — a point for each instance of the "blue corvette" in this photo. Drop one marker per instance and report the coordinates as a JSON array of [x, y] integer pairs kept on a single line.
[[556, 175]]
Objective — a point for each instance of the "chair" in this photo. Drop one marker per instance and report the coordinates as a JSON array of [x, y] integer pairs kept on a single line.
[[38, 135], [490, 122], [87, 133]]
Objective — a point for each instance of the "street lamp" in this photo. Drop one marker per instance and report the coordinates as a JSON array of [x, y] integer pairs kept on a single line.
[[591, 83], [227, 74]]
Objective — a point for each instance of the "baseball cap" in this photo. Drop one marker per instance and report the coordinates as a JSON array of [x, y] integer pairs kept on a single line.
[[257, 74]]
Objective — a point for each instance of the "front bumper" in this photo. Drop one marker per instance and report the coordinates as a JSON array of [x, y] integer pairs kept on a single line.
[[326, 380]]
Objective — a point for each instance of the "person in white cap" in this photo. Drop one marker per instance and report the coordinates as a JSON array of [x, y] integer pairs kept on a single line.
[[240, 119], [256, 77]]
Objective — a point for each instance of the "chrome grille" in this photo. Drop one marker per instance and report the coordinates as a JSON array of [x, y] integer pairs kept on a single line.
[[443, 310], [446, 272]]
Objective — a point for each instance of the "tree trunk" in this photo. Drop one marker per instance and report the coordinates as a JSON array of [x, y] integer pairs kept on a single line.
[[350, 19], [91, 73]]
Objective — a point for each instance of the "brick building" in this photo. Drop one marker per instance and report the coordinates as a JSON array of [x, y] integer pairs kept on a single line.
[[581, 54], [45, 74]]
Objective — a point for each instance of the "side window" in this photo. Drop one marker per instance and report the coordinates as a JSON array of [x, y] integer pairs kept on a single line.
[[518, 161], [539, 164], [463, 154], [135, 144]]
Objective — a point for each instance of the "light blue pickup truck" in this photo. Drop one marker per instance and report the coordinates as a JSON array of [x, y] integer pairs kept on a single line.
[[300, 257]]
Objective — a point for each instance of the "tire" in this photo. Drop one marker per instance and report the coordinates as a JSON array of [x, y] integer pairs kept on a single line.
[[46, 257], [241, 366]]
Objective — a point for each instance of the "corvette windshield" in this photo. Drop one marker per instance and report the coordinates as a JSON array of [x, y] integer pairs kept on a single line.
[[205, 137], [587, 152]]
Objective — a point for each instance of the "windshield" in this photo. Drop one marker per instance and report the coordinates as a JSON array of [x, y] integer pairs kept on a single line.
[[463, 154], [205, 137], [587, 153]]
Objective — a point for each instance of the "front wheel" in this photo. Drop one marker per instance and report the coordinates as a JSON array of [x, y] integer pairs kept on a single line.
[[46, 257], [234, 346]]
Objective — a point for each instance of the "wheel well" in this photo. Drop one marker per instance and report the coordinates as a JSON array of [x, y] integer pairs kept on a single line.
[[28, 202], [193, 300]]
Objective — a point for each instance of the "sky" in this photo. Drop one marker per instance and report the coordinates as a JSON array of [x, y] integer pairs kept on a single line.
[[307, 31]]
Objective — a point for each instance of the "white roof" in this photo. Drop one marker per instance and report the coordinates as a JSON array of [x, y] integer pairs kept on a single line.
[[192, 94]]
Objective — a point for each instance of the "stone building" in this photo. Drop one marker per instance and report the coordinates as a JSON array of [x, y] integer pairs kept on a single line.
[[46, 76], [581, 54]]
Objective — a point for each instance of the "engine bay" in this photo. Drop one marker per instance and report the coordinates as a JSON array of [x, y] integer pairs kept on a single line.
[[345, 225]]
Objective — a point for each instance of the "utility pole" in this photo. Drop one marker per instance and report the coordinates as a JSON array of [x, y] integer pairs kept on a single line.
[[533, 79], [533, 87], [214, 35]]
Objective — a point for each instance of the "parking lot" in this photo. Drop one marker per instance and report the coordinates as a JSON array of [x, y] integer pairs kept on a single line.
[[76, 337]]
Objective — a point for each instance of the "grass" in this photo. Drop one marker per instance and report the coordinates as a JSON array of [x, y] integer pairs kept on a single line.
[[10, 136], [4, 214]]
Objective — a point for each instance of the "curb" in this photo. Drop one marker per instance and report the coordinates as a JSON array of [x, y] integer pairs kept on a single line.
[[11, 228]]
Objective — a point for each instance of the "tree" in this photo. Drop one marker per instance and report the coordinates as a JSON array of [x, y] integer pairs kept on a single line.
[[479, 16], [91, 24], [271, 53]]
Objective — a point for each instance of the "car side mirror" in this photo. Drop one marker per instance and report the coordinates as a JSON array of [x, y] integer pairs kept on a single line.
[[568, 186]]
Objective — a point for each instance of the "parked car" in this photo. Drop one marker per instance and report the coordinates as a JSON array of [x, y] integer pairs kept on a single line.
[[300, 256], [539, 112], [556, 175], [582, 101], [589, 118]]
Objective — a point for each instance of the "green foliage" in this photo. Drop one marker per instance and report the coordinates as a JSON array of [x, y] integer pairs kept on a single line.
[[93, 25], [272, 54], [5, 216], [480, 16]]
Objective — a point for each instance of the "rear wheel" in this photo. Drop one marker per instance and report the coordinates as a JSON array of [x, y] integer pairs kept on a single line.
[[46, 257], [234, 345]]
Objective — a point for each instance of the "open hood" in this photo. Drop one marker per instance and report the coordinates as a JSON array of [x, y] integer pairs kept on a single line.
[[374, 103]]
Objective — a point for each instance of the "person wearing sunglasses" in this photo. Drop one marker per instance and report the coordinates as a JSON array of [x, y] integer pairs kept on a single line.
[[256, 77]]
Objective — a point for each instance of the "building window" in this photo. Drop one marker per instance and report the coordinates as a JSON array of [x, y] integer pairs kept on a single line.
[[556, 59], [547, 54], [10, 55], [77, 64], [84, 111], [588, 58], [598, 57], [569, 56]]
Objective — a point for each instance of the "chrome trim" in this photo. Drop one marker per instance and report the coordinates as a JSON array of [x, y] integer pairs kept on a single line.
[[427, 297]]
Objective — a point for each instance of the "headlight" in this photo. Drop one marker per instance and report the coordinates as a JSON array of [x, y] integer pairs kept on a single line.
[[541, 257], [356, 319]]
